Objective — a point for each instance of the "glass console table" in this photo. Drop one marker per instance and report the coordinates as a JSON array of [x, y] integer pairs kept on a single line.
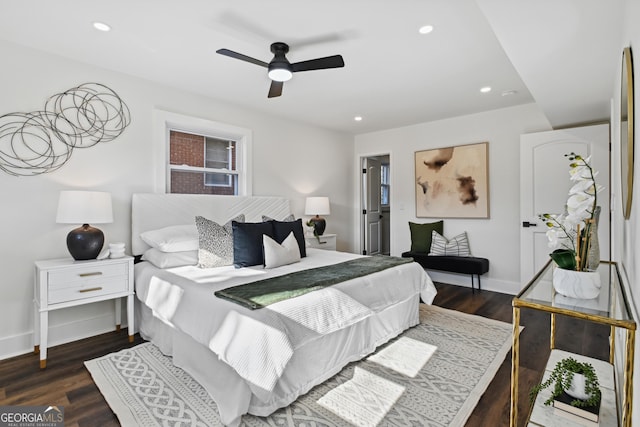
[[611, 308]]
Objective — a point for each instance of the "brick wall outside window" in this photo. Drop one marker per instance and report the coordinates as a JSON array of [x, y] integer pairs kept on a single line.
[[188, 149]]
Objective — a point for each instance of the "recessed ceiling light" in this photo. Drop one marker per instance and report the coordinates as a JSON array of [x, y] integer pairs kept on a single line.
[[425, 29], [509, 92], [485, 89], [101, 26], [358, 118]]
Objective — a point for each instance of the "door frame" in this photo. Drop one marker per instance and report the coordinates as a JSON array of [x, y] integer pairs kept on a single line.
[[362, 221]]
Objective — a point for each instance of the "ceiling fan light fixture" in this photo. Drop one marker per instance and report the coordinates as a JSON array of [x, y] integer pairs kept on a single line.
[[280, 74]]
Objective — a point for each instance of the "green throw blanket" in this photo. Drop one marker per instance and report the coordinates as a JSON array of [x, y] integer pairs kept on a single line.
[[261, 293]]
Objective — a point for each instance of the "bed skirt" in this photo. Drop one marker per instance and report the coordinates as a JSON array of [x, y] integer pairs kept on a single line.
[[234, 396]]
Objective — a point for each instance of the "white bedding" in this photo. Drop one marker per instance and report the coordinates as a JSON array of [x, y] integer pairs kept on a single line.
[[264, 346]]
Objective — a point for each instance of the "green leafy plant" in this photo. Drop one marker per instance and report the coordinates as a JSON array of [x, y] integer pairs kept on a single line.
[[561, 378]]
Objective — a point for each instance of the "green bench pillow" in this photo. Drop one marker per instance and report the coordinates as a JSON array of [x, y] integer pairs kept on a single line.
[[421, 235]]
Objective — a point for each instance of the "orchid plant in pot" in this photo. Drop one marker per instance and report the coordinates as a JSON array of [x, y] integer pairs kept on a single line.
[[573, 234]]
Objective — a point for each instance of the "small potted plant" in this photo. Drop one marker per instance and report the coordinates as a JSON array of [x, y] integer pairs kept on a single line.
[[577, 379]]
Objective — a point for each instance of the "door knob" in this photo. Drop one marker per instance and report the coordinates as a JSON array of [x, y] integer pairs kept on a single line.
[[526, 224]]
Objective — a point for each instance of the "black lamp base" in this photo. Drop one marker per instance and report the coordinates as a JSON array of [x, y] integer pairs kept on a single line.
[[85, 242], [319, 225]]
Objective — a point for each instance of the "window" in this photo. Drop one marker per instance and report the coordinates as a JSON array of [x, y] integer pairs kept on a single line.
[[385, 185], [203, 157], [202, 164], [221, 155]]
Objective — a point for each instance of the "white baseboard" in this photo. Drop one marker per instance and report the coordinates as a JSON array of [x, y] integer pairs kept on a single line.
[[487, 283], [58, 334]]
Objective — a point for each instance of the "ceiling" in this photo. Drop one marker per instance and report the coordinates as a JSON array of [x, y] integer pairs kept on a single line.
[[561, 54]]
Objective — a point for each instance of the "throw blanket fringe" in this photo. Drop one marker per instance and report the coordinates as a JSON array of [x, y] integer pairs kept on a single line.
[[262, 293]]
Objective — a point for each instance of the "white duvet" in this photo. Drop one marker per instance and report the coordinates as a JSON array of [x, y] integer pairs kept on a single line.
[[258, 344]]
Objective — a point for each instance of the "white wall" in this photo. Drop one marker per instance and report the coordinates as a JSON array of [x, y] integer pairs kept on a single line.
[[286, 162], [496, 238], [626, 233]]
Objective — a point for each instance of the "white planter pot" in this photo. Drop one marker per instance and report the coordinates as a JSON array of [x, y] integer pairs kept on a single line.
[[577, 389], [577, 284]]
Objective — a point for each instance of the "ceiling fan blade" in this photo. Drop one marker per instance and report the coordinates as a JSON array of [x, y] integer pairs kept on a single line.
[[275, 89], [334, 61], [236, 55]]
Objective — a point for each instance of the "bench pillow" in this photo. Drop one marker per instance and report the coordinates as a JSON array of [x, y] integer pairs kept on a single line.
[[456, 246], [421, 235]]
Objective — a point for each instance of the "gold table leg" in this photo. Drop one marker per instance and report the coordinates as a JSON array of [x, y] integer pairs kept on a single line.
[[628, 378], [515, 365], [552, 337], [612, 345]]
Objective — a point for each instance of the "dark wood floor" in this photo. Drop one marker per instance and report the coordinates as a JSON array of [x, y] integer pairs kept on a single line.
[[66, 381]]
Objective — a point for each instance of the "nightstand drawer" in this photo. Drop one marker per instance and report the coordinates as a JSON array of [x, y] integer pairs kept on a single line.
[[326, 241], [94, 287], [66, 277]]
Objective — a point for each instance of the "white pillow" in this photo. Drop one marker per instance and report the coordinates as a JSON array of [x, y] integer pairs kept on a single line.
[[170, 259], [456, 246], [276, 254], [175, 238]]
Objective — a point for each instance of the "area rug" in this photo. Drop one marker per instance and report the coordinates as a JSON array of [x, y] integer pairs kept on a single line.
[[431, 375]]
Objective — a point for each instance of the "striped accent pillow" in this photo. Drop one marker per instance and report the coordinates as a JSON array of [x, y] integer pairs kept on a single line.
[[456, 246]]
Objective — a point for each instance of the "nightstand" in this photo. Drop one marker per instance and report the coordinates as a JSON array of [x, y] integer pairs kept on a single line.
[[327, 241], [62, 283]]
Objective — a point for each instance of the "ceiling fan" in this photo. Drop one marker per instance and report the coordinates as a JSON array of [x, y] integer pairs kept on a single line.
[[280, 69]]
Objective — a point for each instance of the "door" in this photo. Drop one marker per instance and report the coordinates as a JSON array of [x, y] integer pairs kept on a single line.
[[545, 184], [372, 209]]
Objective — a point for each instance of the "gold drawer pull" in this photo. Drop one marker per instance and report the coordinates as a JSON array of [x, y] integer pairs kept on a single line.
[[99, 288], [95, 273]]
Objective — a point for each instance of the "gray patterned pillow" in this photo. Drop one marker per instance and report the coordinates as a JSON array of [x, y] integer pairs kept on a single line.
[[456, 246], [215, 242]]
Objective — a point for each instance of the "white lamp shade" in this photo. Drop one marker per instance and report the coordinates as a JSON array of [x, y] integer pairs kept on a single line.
[[317, 206], [84, 207]]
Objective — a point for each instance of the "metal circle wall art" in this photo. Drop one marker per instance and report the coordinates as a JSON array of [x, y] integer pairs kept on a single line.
[[43, 141]]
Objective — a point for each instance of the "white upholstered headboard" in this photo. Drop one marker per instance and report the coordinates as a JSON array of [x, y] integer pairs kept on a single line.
[[150, 211]]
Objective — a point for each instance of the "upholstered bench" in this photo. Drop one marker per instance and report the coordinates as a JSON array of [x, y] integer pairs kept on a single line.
[[454, 264]]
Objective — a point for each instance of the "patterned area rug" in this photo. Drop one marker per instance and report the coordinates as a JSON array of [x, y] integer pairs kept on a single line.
[[432, 375]]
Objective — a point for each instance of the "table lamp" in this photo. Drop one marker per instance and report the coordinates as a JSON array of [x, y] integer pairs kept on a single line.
[[317, 206], [84, 207]]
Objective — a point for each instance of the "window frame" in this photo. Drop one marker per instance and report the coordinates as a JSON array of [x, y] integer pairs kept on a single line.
[[165, 122]]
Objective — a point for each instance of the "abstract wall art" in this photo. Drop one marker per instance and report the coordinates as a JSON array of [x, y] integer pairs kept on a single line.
[[42, 141], [453, 182]]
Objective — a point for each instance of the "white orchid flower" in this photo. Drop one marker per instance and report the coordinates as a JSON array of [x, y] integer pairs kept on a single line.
[[552, 235], [580, 202], [579, 173], [585, 186], [579, 210]]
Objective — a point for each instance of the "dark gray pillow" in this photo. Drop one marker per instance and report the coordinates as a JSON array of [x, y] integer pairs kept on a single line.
[[289, 218], [215, 242], [247, 242], [421, 235], [281, 230]]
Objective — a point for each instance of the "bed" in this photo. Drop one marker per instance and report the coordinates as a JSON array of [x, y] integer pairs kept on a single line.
[[256, 361]]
